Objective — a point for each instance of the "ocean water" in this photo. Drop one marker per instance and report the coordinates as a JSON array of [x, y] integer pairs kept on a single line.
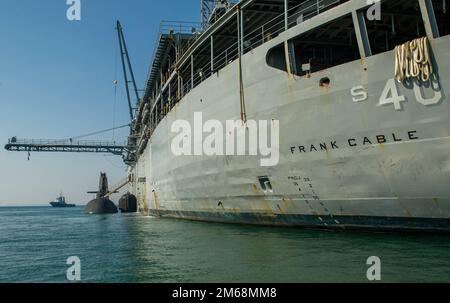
[[35, 243]]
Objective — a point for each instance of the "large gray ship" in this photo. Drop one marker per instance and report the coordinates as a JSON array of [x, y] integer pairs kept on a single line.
[[358, 91]]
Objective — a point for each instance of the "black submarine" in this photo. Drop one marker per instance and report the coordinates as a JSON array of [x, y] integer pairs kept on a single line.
[[101, 204], [128, 203]]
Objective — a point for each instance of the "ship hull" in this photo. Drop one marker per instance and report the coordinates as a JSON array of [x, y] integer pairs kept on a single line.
[[62, 206], [313, 222], [343, 164]]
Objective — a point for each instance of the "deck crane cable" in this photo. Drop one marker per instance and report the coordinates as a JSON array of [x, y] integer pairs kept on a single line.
[[99, 132], [114, 109]]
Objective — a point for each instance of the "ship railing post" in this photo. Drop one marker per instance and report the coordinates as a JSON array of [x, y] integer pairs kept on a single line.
[[262, 33], [361, 34], [238, 21], [429, 19], [286, 43], [286, 20], [212, 54], [178, 85], [181, 86], [152, 119], [192, 71], [170, 94], [242, 30]]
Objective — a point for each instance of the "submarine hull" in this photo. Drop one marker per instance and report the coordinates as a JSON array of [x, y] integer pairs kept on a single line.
[[128, 203], [101, 206]]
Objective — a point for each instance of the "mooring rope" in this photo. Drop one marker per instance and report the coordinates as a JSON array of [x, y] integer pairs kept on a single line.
[[412, 60]]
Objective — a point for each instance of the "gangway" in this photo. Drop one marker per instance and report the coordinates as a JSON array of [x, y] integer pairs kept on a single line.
[[67, 146], [116, 188]]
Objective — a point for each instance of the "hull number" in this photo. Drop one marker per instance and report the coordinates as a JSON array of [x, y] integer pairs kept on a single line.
[[392, 96]]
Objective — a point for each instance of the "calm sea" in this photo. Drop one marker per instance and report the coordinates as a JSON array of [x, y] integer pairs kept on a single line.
[[35, 243]]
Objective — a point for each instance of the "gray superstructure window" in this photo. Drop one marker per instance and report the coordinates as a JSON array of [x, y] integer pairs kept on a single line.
[[401, 21], [441, 10], [276, 58], [326, 46]]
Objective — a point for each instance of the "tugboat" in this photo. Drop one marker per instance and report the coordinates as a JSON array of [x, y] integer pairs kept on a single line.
[[61, 202]]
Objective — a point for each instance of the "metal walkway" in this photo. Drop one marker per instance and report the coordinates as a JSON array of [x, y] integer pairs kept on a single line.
[[117, 187], [68, 146]]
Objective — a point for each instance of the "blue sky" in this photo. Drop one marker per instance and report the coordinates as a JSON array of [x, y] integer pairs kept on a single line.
[[56, 81]]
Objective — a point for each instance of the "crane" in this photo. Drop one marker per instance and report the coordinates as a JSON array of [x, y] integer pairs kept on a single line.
[[69, 145], [74, 145], [126, 63]]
